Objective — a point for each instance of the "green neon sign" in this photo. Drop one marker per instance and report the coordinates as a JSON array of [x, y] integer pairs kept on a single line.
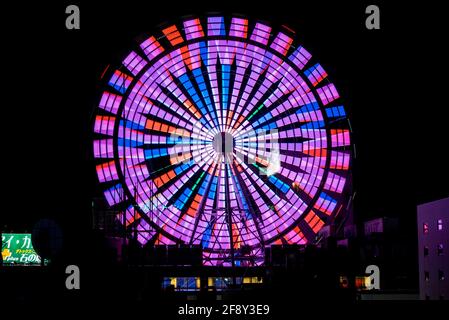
[[17, 249]]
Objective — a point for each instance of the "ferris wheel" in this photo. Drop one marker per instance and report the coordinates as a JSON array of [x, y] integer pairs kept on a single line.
[[225, 133]]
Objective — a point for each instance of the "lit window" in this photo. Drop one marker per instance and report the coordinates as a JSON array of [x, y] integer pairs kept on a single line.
[[441, 275], [426, 275], [426, 228], [440, 224], [426, 251], [440, 249]]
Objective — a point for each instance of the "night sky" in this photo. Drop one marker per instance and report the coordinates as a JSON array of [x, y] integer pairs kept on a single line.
[[392, 81]]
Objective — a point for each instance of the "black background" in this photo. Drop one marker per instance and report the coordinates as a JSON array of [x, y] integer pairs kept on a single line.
[[392, 81]]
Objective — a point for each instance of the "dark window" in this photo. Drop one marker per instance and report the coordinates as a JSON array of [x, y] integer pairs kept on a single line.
[[440, 249], [426, 275], [426, 251], [441, 275]]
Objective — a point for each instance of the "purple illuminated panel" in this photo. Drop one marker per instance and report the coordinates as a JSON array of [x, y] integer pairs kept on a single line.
[[134, 63], [239, 28], [222, 133]]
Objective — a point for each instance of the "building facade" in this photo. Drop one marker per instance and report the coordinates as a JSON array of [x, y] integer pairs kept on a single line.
[[433, 246]]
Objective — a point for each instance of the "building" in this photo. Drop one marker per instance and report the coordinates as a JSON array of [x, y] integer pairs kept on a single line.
[[380, 226], [385, 245], [433, 246]]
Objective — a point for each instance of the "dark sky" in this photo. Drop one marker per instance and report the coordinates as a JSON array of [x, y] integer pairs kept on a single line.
[[392, 80]]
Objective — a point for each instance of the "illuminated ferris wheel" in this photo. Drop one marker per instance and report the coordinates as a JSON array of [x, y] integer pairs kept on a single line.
[[224, 133]]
